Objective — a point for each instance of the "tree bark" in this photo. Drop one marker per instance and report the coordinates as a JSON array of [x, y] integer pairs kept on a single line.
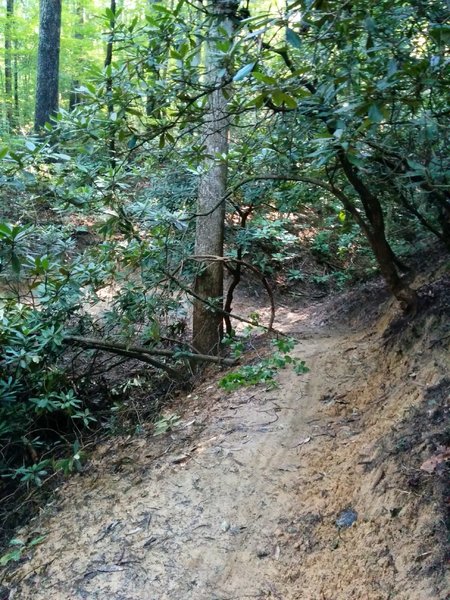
[[75, 96], [444, 218], [376, 235], [16, 83], [236, 272], [48, 62], [207, 322], [149, 104], [8, 64], [109, 83]]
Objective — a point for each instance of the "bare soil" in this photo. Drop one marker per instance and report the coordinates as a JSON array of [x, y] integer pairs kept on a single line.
[[245, 498]]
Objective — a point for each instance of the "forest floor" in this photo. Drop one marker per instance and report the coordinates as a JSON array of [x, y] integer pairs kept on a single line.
[[333, 486]]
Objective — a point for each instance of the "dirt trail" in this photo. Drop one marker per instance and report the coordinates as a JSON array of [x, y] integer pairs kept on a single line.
[[241, 501]]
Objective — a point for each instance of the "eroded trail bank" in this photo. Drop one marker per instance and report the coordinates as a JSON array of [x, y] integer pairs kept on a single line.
[[245, 499]]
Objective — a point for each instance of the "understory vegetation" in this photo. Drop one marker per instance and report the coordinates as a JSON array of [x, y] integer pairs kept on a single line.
[[334, 170]]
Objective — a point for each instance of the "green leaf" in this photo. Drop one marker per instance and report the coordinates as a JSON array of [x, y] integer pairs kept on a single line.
[[15, 263], [37, 540], [178, 7], [355, 160], [244, 71], [392, 67], [293, 38], [6, 230], [14, 555], [264, 78], [258, 101], [134, 111], [371, 25], [441, 33], [16, 158], [110, 14], [63, 157], [279, 98], [415, 166], [162, 9], [132, 142], [375, 114]]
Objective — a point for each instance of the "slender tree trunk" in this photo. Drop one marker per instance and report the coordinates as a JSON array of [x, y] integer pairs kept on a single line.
[[444, 220], [207, 323], [376, 235], [16, 83], [75, 97], [109, 82], [2, 104], [48, 62], [8, 63], [109, 45], [442, 200], [149, 104]]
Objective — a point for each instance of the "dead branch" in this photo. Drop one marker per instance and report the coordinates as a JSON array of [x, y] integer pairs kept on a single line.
[[121, 350], [188, 290], [144, 354], [255, 270]]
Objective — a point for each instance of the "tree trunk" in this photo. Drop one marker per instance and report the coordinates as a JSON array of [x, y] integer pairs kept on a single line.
[[376, 235], [444, 219], [48, 62], [16, 83], [75, 97], [386, 261], [149, 104], [109, 83], [8, 64], [207, 323]]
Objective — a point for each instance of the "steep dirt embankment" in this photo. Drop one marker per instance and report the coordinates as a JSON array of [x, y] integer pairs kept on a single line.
[[245, 499]]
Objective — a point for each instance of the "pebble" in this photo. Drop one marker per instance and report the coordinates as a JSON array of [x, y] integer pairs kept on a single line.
[[346, 518]]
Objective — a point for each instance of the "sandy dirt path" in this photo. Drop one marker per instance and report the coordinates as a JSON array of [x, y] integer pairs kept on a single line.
[[241, 501]]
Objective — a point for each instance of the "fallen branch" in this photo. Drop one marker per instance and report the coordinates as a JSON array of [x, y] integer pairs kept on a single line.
[[144, 354], [122, 350]]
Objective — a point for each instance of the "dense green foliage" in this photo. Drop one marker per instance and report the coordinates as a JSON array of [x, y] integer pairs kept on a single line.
[[339, 131]]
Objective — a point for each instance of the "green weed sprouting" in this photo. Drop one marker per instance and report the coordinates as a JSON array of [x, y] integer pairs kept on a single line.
[[266, 370]]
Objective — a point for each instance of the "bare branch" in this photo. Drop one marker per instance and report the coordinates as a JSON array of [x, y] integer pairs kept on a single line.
[[143, 354], [255, 270]]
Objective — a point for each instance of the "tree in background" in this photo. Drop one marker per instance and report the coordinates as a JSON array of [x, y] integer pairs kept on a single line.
[[48, 62], [9, 63], [109, 79], [74, 97]]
